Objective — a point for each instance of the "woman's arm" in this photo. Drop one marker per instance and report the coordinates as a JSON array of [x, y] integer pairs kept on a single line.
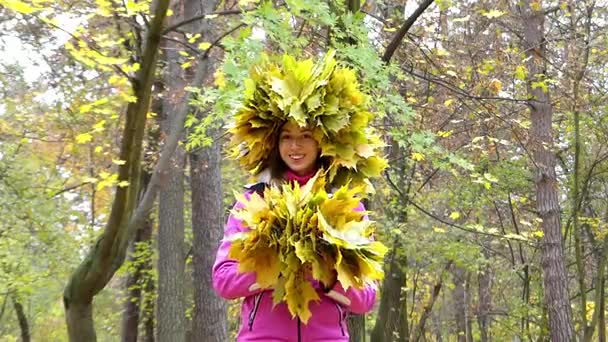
[[359, 301], [228, 282]]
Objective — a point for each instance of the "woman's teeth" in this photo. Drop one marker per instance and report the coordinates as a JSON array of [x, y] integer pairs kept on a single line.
[[296, 156]]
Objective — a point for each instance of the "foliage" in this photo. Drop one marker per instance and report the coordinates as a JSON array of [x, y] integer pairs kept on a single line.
[[297, 234], [322, 96]]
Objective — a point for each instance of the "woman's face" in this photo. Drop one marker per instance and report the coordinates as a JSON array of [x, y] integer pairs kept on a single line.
[[298, 149]]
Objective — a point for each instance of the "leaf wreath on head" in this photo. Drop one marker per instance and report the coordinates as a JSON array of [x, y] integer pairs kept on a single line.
[[324, 97]]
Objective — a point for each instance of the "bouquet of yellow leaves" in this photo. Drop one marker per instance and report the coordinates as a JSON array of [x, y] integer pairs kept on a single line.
[[297, 232]]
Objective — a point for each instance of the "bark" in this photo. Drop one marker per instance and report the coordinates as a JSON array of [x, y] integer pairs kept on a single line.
[[209, 320], [171, 313], [356, 328], [602, 310], [207, 223], [22, 319], [390, 311], [459, 296], [553, 265], [136, 279], [108, 253], [170, 308], [485, 303], [577, 67]]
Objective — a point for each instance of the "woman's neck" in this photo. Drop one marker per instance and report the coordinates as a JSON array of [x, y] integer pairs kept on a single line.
[[301, 179]]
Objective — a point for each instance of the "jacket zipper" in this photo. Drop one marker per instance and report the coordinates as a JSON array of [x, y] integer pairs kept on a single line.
[[340, 318], [256, 304], [299, 330]]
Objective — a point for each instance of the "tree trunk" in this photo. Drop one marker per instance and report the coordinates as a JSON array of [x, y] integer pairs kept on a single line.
[[22, 318], [356, 328], [389, 312], [170, 308], [135, 277], [602, 310], [209, 321], [459, 295], [108, 253], [135, 284], [485, 303], [207, 223], [553, 265]]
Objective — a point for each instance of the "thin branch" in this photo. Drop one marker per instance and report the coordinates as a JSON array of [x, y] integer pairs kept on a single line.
[[461, 91], [217, 41], [382, 20], [188, 46], [200, 17], [69, 188]]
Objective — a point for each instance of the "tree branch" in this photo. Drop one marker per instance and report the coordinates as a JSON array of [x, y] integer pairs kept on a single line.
[[143, 209], [398, 37], [219, 39], [199, 17], [69, 188]]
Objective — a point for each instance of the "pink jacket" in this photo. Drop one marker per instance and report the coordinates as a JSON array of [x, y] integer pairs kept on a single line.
[[261, 322]]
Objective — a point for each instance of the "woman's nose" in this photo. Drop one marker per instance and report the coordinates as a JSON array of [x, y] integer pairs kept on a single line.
[[295, 142]]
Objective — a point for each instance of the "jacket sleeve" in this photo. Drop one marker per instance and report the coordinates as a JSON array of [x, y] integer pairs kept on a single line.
[[358, 301], [228, 282]]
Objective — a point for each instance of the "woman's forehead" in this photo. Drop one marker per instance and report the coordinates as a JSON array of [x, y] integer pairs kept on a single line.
[[292, 127]]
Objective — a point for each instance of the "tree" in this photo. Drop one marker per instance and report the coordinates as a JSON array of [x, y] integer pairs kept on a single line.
[[547, 203]]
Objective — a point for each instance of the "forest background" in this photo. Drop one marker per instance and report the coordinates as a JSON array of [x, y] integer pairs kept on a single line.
[[494, 205]]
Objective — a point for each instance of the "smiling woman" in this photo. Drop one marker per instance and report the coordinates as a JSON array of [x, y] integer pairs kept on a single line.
[[302, 129], [298, 148]]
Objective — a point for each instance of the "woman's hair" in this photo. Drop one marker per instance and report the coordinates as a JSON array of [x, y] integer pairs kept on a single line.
[[276, 164]]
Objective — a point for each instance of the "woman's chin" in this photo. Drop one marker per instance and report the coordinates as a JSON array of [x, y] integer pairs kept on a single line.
[[300, 170]]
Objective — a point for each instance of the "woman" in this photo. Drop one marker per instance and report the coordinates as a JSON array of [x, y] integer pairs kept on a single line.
[[296, 158]]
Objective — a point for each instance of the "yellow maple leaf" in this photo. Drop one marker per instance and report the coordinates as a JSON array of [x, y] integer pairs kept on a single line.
[[299, 293]]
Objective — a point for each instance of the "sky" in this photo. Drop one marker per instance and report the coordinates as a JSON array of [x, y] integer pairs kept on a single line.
[[13, 51]]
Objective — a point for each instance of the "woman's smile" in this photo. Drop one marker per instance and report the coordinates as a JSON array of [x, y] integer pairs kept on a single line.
[[298, 148]]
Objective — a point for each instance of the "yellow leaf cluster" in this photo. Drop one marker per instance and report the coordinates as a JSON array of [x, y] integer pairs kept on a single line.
[[298, 233]]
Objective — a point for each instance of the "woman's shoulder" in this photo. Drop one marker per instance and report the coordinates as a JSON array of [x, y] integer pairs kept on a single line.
[[256, 188]]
